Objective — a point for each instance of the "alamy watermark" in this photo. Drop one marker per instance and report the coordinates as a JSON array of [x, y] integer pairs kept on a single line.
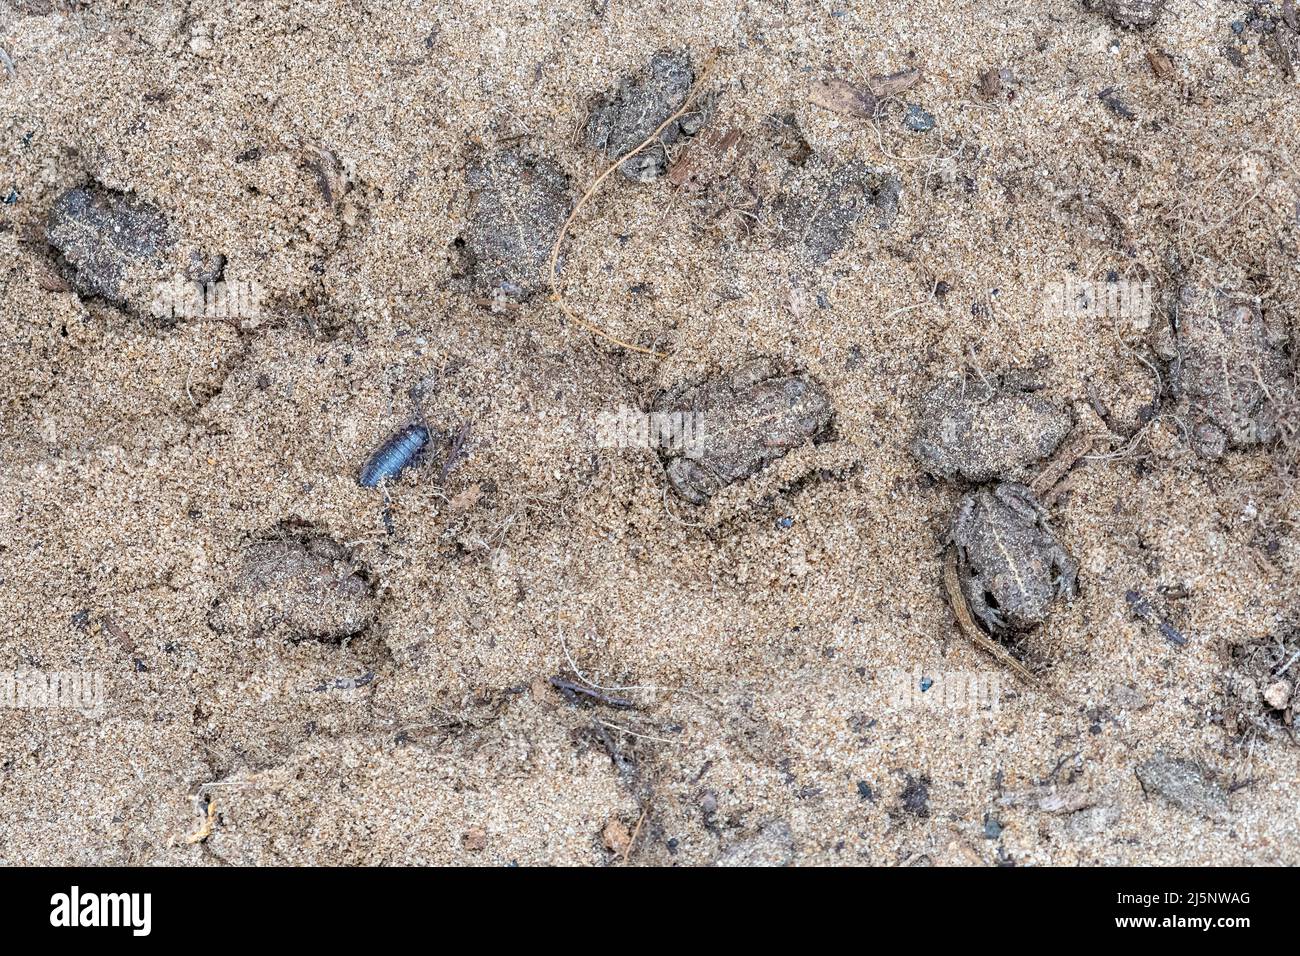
[[1126, 300], [183, 299], [75, 908], [631, 428], [53, 690], [978, 693]]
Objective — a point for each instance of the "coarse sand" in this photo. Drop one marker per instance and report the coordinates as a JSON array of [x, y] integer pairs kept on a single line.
[[800, 690]]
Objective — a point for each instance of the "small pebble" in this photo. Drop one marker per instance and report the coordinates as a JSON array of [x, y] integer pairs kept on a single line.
[[918, 120], [1278, 694]]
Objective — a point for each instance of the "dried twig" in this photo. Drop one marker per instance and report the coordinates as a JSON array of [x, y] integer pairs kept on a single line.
[[1050, 482], [209, 824], [636, 832], [841, 96], [972, 630], [571, 691], [456, 452]]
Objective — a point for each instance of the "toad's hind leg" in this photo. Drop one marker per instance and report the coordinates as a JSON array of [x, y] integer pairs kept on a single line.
[[1067, 572]]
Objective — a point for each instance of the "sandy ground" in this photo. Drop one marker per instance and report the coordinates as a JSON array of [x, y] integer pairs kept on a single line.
[[776, 639]]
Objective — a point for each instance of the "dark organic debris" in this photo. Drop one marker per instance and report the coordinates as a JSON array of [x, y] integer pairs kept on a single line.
[[1262, 686], [573, 691], [709, 152], [1114, 102], [915, 797], [1142, 609]]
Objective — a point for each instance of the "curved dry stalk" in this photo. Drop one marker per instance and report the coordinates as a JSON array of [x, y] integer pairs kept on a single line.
[[556, 296]]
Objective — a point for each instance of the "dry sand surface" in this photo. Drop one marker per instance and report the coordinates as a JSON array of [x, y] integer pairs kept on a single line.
[[298, 669]]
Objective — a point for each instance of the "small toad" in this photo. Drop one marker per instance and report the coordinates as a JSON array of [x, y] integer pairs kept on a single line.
[[1227, 365], [745, 421], [983, 431], [1010, 565]]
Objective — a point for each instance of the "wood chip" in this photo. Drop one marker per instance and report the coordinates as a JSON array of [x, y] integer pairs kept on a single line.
[[990, 83], [894, 83], [467, 499], [840, 96], [617, 837], [710, 147], [1049, 484], [474, 840]]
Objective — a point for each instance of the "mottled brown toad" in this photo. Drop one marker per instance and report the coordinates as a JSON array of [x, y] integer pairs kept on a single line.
[[1228, 368], [820, 206], [518, 202], [107, 239], [1129, 13], [623, 119], [983, 430], [1010, 565], [746, 420], [296, 588]]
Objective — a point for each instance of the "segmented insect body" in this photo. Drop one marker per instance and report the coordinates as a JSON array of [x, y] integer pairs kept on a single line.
[[394, 455]]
